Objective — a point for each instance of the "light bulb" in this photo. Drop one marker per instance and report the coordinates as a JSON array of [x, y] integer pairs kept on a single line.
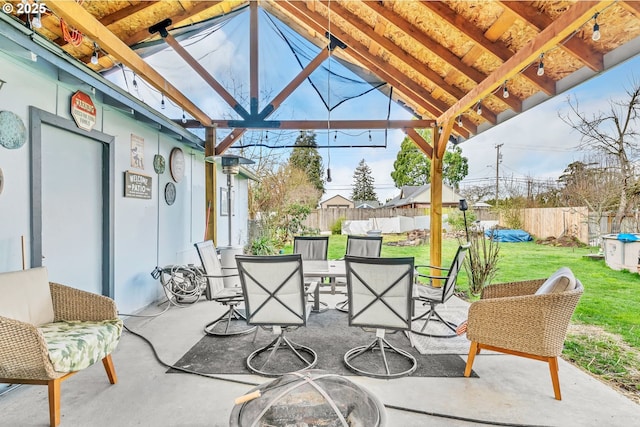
[[369, 136], [540, 71], [505, 91], [94, 57], [460, 121], [596, 32], [135, 82], [328, 175], [162, 103], [36, 22], [184, 118]]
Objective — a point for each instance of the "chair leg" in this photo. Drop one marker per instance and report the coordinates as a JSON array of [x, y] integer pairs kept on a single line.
[[111, 372], [54, 401], [473, 350], [555, 380]]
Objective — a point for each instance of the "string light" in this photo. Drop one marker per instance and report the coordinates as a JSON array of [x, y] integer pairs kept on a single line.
[[162, 102], [540, 71], [184, 118], [369, 135], [94, 57], [36, 22], [135, 82], [505, 91], [460, 120], [596, 28], [479, 108]]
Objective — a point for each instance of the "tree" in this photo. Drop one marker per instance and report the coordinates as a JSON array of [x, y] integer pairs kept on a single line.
[[363, 183], [413, 167], [613, 133], [455, 167], [305, 157]]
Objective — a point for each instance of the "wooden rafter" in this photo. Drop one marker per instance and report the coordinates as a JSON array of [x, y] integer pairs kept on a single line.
[[78, 17], [403, 56], [393, 76], [438, 50], [574, 46], [561, 28], [498, 48], [334, 124], [632, 6]]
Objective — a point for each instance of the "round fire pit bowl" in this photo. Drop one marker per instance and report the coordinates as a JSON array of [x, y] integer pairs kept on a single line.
[[309, 398]]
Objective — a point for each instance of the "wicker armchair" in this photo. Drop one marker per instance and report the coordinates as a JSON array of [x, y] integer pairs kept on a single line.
[[510, 318], [25, 356]]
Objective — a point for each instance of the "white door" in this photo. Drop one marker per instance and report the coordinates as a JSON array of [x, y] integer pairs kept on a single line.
[[72, 209]]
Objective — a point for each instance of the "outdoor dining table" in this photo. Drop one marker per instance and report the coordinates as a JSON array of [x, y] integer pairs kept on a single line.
[[322, 268]]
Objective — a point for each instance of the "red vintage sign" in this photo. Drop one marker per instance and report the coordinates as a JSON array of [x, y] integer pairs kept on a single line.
[[83, 110]]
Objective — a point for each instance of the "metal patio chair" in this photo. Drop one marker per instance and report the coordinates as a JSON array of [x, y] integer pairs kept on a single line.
[[436, 295], [380, 291], [312, 248], [233, 321], [364, 246], [276, 298]]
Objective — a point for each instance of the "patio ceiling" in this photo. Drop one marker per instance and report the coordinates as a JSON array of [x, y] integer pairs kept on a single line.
[[444, 60]]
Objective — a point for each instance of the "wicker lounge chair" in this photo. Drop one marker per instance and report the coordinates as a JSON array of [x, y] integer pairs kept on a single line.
[[49, 331], [523, 319]]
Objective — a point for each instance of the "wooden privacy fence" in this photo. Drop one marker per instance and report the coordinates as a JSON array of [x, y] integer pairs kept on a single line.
[[553, 222], [324, 219]]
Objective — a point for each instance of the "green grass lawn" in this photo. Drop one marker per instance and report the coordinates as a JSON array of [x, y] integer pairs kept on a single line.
[[611, 298]]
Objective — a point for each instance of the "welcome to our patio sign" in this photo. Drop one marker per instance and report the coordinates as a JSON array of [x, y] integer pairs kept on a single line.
[[137, 185]]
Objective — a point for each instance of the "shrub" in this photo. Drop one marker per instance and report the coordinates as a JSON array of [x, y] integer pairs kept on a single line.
[[336, 227], [263, 245]]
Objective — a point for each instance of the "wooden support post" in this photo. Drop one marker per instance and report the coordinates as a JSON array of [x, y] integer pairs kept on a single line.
[[435, 213], [210, 186]]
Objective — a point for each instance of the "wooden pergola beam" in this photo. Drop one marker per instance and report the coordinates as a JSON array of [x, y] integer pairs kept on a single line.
[[82, 20], [561, 28], [322, 124], [438, 50], [376, 65], [498, 48], [576, 47], [403, 56]]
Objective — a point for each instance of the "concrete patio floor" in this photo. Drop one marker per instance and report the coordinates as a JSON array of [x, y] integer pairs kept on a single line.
[[510, 390]]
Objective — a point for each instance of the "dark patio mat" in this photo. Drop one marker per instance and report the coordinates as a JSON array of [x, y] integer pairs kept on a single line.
[[327, 333]]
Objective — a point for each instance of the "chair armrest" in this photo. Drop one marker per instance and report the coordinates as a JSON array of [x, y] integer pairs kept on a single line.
[[510, 289], [23, 352], [430, 266], [311, 287], [220, 276], [534, 324], [75, 304]]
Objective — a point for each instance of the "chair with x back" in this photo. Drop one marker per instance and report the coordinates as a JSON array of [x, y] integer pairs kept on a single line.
[[436, 295], [364, 246], [380, 291], [275, 297], [312, 248], [233, 321]]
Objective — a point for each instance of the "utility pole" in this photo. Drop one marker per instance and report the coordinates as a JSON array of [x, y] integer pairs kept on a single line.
[[498, 159]]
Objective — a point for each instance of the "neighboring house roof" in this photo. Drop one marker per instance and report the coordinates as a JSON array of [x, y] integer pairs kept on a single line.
[[366, 204], [410, 194], [336, 200]]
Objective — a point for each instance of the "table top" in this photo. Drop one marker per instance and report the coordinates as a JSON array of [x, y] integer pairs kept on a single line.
[[324, 268]]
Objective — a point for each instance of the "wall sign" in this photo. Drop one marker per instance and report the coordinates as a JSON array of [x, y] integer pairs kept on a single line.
[[83, 111], [158, 164], [137, 151], [137, 185]]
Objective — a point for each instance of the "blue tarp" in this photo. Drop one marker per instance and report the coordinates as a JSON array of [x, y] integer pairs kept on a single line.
[[626, 237], [508, 235]]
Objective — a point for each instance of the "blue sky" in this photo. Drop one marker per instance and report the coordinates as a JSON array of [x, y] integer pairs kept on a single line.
[[536, 143]]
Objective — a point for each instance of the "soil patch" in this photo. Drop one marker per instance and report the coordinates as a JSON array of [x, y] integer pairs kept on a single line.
[[562, 241]]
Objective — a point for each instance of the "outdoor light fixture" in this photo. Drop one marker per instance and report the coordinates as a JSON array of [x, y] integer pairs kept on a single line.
[[328, 175], [596, 29], [162, 102], [479, 108], [230, 166], [505, 91], [94, 57], [463, 206], [460, 120], [184, 118], [540, 71], [36, 22]]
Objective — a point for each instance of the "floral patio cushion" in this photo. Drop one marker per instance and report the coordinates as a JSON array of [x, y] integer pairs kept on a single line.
[[75, 345]]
